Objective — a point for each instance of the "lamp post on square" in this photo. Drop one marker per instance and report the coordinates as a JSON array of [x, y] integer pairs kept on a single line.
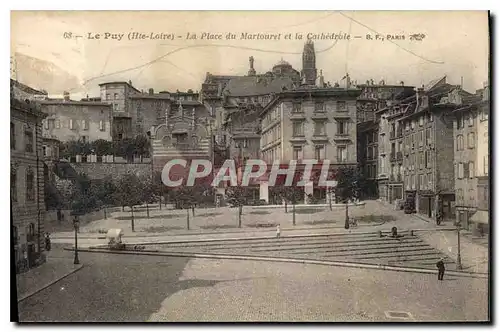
[[459, 258], [76, 225]]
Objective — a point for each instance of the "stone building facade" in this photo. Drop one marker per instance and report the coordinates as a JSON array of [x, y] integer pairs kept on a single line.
[[309, 124], [69, 120], [374, 99], [428, 145], [27, 183], [472, 162], [117, 95]]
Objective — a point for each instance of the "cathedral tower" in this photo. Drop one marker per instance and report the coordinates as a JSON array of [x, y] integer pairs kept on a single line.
[[309, 72]]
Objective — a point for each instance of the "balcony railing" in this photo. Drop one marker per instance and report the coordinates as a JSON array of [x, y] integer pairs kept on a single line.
[[392, 135], [399, 155], [393, 156], [400, 133]]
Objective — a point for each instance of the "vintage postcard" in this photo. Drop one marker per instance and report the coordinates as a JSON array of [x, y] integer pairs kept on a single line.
[[258, 166]]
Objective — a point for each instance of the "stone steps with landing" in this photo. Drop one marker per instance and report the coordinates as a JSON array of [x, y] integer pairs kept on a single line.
[[302, 241], [339, 248]]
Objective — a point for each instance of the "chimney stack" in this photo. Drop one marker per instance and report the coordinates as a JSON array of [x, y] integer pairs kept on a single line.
[[66, 95], [151, 91]]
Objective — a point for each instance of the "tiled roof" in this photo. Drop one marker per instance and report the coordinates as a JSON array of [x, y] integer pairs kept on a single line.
[[120, 82], [73, 102], [435, 83], [257, 85], [148, 96]]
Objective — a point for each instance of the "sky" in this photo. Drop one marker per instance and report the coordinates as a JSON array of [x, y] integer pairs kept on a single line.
[[456, 44]]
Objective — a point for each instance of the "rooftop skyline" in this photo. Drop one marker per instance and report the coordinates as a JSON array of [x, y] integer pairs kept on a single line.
[[456, 44]]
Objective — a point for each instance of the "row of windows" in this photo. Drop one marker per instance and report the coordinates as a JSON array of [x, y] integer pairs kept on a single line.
[[272, 135], [461, 199], [260, 99], [28, 138], [319, 106], [108, 96], [466, 170], [319, 128], [471, 141], [463, 119], [420, 182], [71, 124], [319, 152], [412, 124], [422, 159], [298, 153], [272, 154], [271, 116], [30, 184], [417, 139]]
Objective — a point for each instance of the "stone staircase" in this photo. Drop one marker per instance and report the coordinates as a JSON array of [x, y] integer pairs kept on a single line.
[[406, 251]]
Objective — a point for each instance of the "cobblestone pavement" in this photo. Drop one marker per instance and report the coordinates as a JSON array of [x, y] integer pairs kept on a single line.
[[406, 250], [174, 222], [261, 291]]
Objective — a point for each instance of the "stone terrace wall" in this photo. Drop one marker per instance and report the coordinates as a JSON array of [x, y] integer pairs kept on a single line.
[[114, 170]]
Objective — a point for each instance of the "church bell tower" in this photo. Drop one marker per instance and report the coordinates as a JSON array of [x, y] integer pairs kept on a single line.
[[309, 72]]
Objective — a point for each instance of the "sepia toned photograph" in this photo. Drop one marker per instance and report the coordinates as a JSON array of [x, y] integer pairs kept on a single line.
[[250, 166]]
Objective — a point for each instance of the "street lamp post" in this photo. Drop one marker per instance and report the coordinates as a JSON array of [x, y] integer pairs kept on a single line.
[[346, 224], [459, 258], [76, 224]]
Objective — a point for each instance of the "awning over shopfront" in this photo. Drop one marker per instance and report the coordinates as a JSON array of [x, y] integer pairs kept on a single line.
[[480, 217]]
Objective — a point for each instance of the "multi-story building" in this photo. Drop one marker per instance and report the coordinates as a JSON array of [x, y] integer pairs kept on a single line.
[[76, 120], [117, 94], [428, 168], [389, 171], [147, 110], [373, 99], [472, 161], [27, 182], [309, 124]]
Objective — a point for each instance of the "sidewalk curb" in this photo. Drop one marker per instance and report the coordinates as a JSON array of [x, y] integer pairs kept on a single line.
[[292, 260], [49, 284]]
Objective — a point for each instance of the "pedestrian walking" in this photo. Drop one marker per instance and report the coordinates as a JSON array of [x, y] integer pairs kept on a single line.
[[47, 242], [441, 268], [278, 231]]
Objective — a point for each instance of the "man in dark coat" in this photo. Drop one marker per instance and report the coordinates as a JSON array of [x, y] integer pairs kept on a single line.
[[440, 266]]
